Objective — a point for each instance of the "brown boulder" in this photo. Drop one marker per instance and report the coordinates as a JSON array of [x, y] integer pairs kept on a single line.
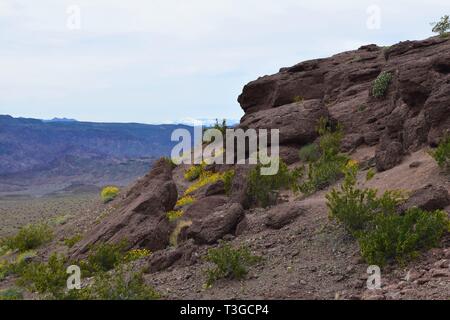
[[428, 198], [141, 218], [216, 225], [388, 155], [297, 122], [215, 189], [282, 215], [239, 187], [180, 256], [204, 206]]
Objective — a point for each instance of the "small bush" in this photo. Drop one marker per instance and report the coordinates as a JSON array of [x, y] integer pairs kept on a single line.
[[230, 263], [442, 27], [16, 267], [356, 208], [382, 233], [442, 153], [400, 238], [104, 257], [309, 153], [261, 186], [222, 127], [136, 254], [206, 178], [70, 242], [174, 215], [109, 193], [298, 99], [193, 173], [48, 278], [185, 201], [11, 294], [325, 163], [228, 181], [381, 84], [29, 237], [122, 284], [323, 173]]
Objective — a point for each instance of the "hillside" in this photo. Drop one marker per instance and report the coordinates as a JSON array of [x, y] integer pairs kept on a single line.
[[372, 118], [51, 155]]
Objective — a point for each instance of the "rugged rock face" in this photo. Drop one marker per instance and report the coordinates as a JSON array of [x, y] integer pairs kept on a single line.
[[414, 112], [217, 224], [428, 198], [284, 214], [141, 217]]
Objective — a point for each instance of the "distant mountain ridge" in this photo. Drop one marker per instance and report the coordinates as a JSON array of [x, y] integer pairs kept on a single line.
[[34, 151]]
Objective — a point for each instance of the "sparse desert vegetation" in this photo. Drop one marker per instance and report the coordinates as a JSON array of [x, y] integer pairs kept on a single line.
[[442, 153], [109, 193], [229, 262]]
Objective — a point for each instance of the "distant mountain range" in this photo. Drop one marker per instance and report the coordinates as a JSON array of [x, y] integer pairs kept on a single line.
[[39, 156]]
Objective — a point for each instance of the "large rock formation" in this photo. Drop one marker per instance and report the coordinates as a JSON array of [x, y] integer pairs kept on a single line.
[[141, 218], [414, 112]]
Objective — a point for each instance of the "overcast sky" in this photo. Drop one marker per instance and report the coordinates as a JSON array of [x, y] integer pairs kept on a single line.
[[157, 61]]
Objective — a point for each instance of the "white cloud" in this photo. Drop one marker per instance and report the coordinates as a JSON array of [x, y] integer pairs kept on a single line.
[[176, 54]]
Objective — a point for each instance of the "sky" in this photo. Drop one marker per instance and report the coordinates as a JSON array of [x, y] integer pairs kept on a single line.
[[169, 61]]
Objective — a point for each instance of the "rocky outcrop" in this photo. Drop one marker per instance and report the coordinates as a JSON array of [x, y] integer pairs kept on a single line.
[[179, 256], [428, 198], [297, 122], [284, 214], [141, 218], [414, 112], [217, 224]]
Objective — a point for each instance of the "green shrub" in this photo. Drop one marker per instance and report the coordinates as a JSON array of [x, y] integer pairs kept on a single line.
[[324, 167], [228, 181], [383, 234], [206, 178], [49, 279], [401, 237], [70, 242], [104, 257], [222, 127], [442, 26], [11, 294], [261, 186], [109, 193], [229, 262], [442, 153], [121, 284], [356, 208], [323, 173], [136, 254], [381, 84], [18, 266], [298, 99], [29, 237], [174, 215], [309, 153], [194, 172], [185, 201]]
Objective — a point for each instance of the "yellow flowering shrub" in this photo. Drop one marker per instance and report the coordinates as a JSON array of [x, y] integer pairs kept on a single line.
[[136, 254], [174, 215], [185, 201], [206, 178], [109, 193]]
